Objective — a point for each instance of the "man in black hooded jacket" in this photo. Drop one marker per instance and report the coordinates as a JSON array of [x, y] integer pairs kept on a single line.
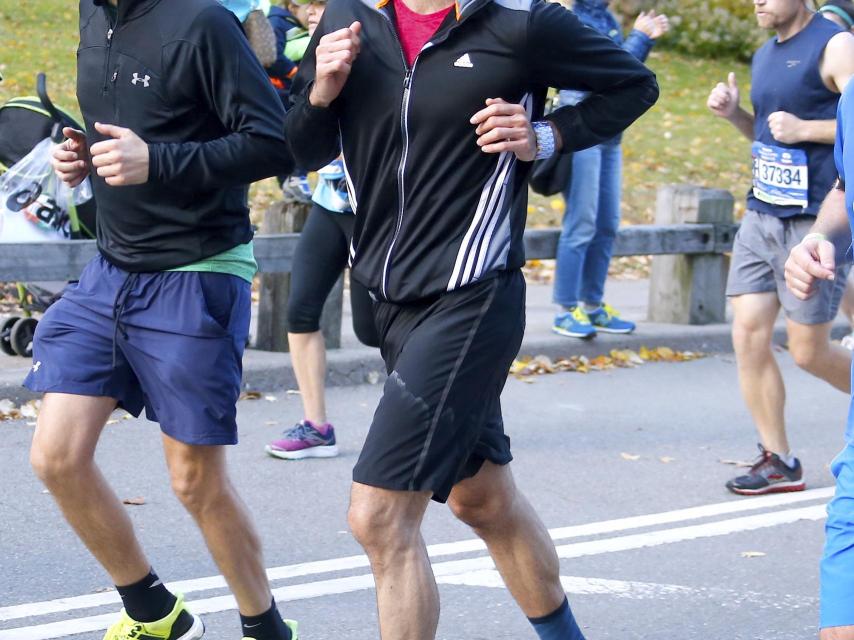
[[180, 118]]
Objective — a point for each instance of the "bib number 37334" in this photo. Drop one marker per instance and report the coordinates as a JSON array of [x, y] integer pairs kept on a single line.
[[780, 176]]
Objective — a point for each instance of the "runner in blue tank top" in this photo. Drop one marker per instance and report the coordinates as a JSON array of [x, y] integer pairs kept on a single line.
[[810, 265], [797, 78]]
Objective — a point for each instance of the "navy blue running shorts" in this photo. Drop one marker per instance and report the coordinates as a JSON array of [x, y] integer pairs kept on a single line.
[[169, 342], [448, 359]]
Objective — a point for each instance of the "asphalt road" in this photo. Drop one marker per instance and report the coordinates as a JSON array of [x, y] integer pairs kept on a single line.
[[623, 466]]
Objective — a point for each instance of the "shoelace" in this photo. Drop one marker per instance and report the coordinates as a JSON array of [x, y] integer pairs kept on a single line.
[[763, 459], [298, 431], [580, 315], [610, 311], [134, 632]]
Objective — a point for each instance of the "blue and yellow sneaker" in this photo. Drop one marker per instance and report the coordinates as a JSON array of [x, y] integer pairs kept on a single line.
[[180, 624], [607, 320], [291, 624], [575, 324]]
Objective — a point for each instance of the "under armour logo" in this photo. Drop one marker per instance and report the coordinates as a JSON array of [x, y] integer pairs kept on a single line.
[[136, 80], [37, 366], [791, 64]]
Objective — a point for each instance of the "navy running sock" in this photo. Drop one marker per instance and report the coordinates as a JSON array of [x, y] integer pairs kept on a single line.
[[147, 600], [559, 625], [268, 626]]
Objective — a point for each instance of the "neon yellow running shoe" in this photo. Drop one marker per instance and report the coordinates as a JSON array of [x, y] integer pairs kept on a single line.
[[180, 624], [291, 624]]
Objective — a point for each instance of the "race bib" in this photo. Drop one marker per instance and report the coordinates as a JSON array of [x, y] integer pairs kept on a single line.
[[780, 176]]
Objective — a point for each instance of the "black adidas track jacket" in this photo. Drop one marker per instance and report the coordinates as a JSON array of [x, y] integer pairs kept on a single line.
[[433, 212]]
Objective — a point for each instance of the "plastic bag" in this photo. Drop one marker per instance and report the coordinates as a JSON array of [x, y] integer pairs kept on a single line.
[[35, 205]]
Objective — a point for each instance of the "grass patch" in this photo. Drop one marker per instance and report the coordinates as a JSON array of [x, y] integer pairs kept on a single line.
[[677, 141]]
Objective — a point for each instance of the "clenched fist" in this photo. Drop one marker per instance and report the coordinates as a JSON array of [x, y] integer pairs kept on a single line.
[[335, 55], [813, 260], [70, 160], [123, 159], [785, 127]]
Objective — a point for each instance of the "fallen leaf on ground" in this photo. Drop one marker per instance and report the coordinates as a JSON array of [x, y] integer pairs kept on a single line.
[[109, 422], [629, 456], [293, 392], [137, 502], [30, 409], [525, 366], [271, 423], [8, 410], [666, 459], [250, 395], [753, 554]]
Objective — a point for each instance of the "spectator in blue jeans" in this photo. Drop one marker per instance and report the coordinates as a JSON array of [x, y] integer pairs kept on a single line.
[[593, 198]]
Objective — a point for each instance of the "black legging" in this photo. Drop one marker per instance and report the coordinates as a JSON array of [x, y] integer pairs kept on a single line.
[[319, 259]]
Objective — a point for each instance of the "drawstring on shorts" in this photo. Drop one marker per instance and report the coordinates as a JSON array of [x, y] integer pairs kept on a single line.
[[118, 309]]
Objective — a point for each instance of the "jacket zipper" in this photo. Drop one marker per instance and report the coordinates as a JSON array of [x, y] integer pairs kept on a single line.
[[107, 59], [401, 168]]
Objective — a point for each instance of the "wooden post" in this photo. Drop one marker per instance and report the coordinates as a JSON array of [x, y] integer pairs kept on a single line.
[[690, 289], [290, 217]]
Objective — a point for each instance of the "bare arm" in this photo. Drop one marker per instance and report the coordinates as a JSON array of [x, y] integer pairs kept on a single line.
[[837, 64], [837, 68], [743, 121], [832, 220]]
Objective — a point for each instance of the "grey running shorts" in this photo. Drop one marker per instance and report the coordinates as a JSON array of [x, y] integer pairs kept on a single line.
[[759, 255]]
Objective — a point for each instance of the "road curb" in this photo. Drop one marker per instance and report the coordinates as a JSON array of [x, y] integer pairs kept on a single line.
[[267, 371]]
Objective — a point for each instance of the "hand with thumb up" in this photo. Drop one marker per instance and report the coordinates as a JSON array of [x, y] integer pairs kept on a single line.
[[724, 99]]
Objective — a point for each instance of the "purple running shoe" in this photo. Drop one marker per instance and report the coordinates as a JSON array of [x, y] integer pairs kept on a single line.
[[304, 440]]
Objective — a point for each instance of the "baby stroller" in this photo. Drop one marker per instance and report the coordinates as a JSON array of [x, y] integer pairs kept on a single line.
[[28, 126]]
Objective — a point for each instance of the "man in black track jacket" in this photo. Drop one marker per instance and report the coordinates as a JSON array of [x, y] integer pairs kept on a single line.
[[439, 110], [180, 118]]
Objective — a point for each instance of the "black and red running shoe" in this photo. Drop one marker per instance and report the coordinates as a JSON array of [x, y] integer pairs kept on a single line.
[[769, 475]]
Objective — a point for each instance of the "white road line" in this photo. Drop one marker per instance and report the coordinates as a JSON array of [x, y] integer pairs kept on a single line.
[[643, 590], [32, 609], [445, 570]]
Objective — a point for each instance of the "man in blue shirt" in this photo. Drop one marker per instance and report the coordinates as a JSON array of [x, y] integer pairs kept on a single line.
[[811, 262]]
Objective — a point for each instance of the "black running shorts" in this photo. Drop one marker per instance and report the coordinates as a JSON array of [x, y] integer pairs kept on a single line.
[[440, 415]]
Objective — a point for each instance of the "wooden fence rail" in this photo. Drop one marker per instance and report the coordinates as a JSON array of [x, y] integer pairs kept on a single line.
[[696, 231]]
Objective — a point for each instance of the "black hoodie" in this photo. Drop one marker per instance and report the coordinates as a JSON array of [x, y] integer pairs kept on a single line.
[[182, 77]]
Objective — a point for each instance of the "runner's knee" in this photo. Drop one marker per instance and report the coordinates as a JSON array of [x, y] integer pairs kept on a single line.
[[54, 465], [195, 486], [481, 510], [806, 353], [57, 461], [382, 525], [748, 334]]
